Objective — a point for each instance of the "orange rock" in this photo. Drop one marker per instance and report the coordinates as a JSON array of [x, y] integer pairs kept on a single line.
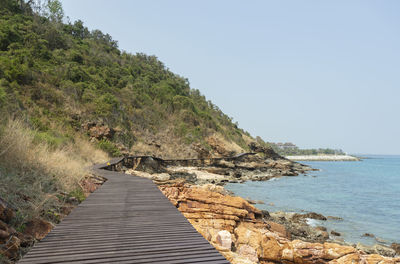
[[219, 224], [375, 259], [201, 195], [248, 252], [211, 212], [347, 259], [38, 228], [335, 251], [271, 249], [194, 206], [248, 234], [208, 215], [305, 252], [280, 229]]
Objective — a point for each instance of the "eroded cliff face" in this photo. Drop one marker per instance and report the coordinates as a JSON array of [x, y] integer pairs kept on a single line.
[[243, 234]]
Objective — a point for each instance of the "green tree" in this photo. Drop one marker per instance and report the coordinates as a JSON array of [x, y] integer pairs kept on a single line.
[[56, 12]]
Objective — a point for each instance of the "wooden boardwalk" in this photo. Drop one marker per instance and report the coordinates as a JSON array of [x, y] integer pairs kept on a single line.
[[127, 220]]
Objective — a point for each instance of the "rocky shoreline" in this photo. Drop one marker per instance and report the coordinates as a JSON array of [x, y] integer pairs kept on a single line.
[[245, 234]]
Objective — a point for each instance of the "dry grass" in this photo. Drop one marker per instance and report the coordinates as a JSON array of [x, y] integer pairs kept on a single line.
[[32, 175], [221, 141]]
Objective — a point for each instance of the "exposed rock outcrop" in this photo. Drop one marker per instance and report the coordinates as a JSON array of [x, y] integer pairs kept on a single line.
[[98, 131], [243, 234]]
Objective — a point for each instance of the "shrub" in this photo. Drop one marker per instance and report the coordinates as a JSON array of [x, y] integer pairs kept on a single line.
[[109, 147]]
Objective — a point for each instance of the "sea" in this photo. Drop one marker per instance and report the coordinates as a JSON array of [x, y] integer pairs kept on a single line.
[[364, 194]]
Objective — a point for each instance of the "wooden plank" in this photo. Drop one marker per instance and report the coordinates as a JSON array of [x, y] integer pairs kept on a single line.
[[127, 220]]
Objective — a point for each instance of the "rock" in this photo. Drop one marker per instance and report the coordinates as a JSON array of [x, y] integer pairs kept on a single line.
[[321, 228], [6, 212], [226, 164], [218, 146], [385, 251], [277, 228], [235, 258], [215, 188], [316, 216], [243, 234], [248, 253], [198, 200], [224, 239], [267, 151], [366, 249], [161, 177], [11, 248], [214, 170], [38, 228], [333, 232], [101, 132], [396, 247], [335, 251], [375, 259], [334, 218], [3, 226], [73, 200], [3, 235], [323, 234], [250, 201], [380, 240], [348, 259], [312, 215], [90, 185], [368, 235]]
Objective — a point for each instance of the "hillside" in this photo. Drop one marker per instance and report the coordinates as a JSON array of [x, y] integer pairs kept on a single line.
[[63, 78]]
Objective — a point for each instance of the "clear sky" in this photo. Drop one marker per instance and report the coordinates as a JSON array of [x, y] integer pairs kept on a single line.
[[315, 73]]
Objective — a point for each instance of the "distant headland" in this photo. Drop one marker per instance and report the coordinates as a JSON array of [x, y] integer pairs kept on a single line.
[[322, 158]]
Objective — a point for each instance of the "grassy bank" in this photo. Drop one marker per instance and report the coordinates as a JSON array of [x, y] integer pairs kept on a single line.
[[34, 174]]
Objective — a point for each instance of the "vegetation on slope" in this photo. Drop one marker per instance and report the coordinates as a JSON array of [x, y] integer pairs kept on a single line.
[[33, 174], [59, 76]]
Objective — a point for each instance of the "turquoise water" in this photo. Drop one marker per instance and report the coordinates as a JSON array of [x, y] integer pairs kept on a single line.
[[365, 194]]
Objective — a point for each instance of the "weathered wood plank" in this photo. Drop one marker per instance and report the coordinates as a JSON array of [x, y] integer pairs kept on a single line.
[[127, 220]]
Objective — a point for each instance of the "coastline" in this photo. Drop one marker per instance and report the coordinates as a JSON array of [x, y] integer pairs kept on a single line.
[[242, 232], [247, 235], [323, 158]]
